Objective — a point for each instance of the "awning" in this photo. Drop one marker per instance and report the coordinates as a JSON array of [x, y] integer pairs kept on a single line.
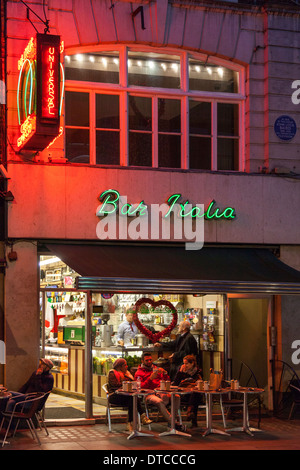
[[168, 269]]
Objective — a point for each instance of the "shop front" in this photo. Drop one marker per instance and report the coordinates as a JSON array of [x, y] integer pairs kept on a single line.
[[231, 313], [150, 168]]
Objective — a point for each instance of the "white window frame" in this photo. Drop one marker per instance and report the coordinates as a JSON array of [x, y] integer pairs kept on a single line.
[[183, 93]]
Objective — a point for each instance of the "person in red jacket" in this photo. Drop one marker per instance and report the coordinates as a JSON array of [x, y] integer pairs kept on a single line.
[[150, 379]]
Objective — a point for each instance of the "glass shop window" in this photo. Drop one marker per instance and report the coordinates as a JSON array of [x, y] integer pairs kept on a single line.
[[228, 136], [209, 77], [101, 67], [153, 70], [200, 135], [107, 130], [77, 122]]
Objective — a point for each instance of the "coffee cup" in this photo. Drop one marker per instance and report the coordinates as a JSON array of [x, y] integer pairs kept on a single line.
[[163, 385], [168, 385]]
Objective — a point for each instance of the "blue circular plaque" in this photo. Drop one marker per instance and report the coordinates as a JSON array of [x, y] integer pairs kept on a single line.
[[285, 127]]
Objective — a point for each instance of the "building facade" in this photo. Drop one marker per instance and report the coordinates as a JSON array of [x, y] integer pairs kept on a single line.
[[161, 98]]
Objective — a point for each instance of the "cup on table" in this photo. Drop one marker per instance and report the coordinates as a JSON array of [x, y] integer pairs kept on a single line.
[[163, 385], [125, 386], [200, 385], [168, 385], [206, 386]]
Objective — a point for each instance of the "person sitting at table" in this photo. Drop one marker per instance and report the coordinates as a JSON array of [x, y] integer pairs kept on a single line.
[[150, 379], [183, 345], [188, 374], [116, 377], [41, 380]]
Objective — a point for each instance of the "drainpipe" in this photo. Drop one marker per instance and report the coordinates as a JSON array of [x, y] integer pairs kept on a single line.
[[3, 181], [88, 357]]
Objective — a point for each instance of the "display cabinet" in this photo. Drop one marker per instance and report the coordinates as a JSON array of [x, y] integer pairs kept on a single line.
[[60, 358]]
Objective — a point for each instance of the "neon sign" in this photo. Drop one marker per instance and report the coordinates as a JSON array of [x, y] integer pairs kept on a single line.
[[40, 92], [28, 129], [50, 82], [111, 203]]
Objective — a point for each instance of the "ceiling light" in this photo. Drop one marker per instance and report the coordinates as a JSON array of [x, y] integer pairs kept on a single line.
[[49, 261]]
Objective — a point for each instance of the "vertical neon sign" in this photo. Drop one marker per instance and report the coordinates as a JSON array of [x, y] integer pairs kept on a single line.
[[50, 71]]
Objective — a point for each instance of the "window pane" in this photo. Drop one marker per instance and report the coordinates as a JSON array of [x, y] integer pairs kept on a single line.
[[207, 77], [228, 154], [200, 153], [169, 115], [94, 67], [77, 145], [140, 149], [200, 117], [77, 109], [153, 70], [108, 147], [107, 111], [228, 119], [140, 113], [169, 151]]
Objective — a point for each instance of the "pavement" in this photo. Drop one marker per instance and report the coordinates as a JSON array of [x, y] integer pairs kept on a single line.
[[275, 434]]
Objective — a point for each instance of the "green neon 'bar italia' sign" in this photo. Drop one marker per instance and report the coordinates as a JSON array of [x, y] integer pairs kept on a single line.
[[111, 197]]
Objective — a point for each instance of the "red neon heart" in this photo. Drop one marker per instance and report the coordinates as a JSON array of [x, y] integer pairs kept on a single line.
[[154, 337]]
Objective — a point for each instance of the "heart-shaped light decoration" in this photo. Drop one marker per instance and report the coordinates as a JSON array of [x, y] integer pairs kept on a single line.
[[154, 337]]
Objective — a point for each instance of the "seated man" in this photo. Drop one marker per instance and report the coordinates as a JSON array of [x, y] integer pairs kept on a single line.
[[150, 379], [40, 380]]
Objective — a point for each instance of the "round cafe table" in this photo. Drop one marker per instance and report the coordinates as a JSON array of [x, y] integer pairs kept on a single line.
[[134, 394], [174, 391], [245, 426], [208, 397]]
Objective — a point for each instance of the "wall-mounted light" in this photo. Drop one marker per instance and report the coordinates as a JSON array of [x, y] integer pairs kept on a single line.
[[7, 196]]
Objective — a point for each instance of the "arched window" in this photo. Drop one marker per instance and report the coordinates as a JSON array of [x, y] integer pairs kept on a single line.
[[143, 107]]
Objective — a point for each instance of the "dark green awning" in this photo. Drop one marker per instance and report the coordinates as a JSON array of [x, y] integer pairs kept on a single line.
[[162, 269]]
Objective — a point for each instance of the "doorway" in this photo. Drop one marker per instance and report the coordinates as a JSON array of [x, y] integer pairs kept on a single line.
[[248, 322]]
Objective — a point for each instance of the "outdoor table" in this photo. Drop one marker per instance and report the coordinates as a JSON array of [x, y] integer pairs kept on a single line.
[[174, 391], [208, 397], [4, 397], [134, 394], [245, 427]]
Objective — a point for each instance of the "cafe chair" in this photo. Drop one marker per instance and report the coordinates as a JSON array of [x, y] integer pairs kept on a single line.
[[109, 406], [23, 411], [40, 414], [246, 378], [295, 392]]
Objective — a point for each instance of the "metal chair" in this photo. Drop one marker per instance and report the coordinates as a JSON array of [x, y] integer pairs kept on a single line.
[[246, 379], [284, 393], [40, 414], [295, 391], [23, 411], [109, 406]]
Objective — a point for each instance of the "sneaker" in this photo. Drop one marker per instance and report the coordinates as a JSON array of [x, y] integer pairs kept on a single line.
[[145, 420], [129, 427]]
